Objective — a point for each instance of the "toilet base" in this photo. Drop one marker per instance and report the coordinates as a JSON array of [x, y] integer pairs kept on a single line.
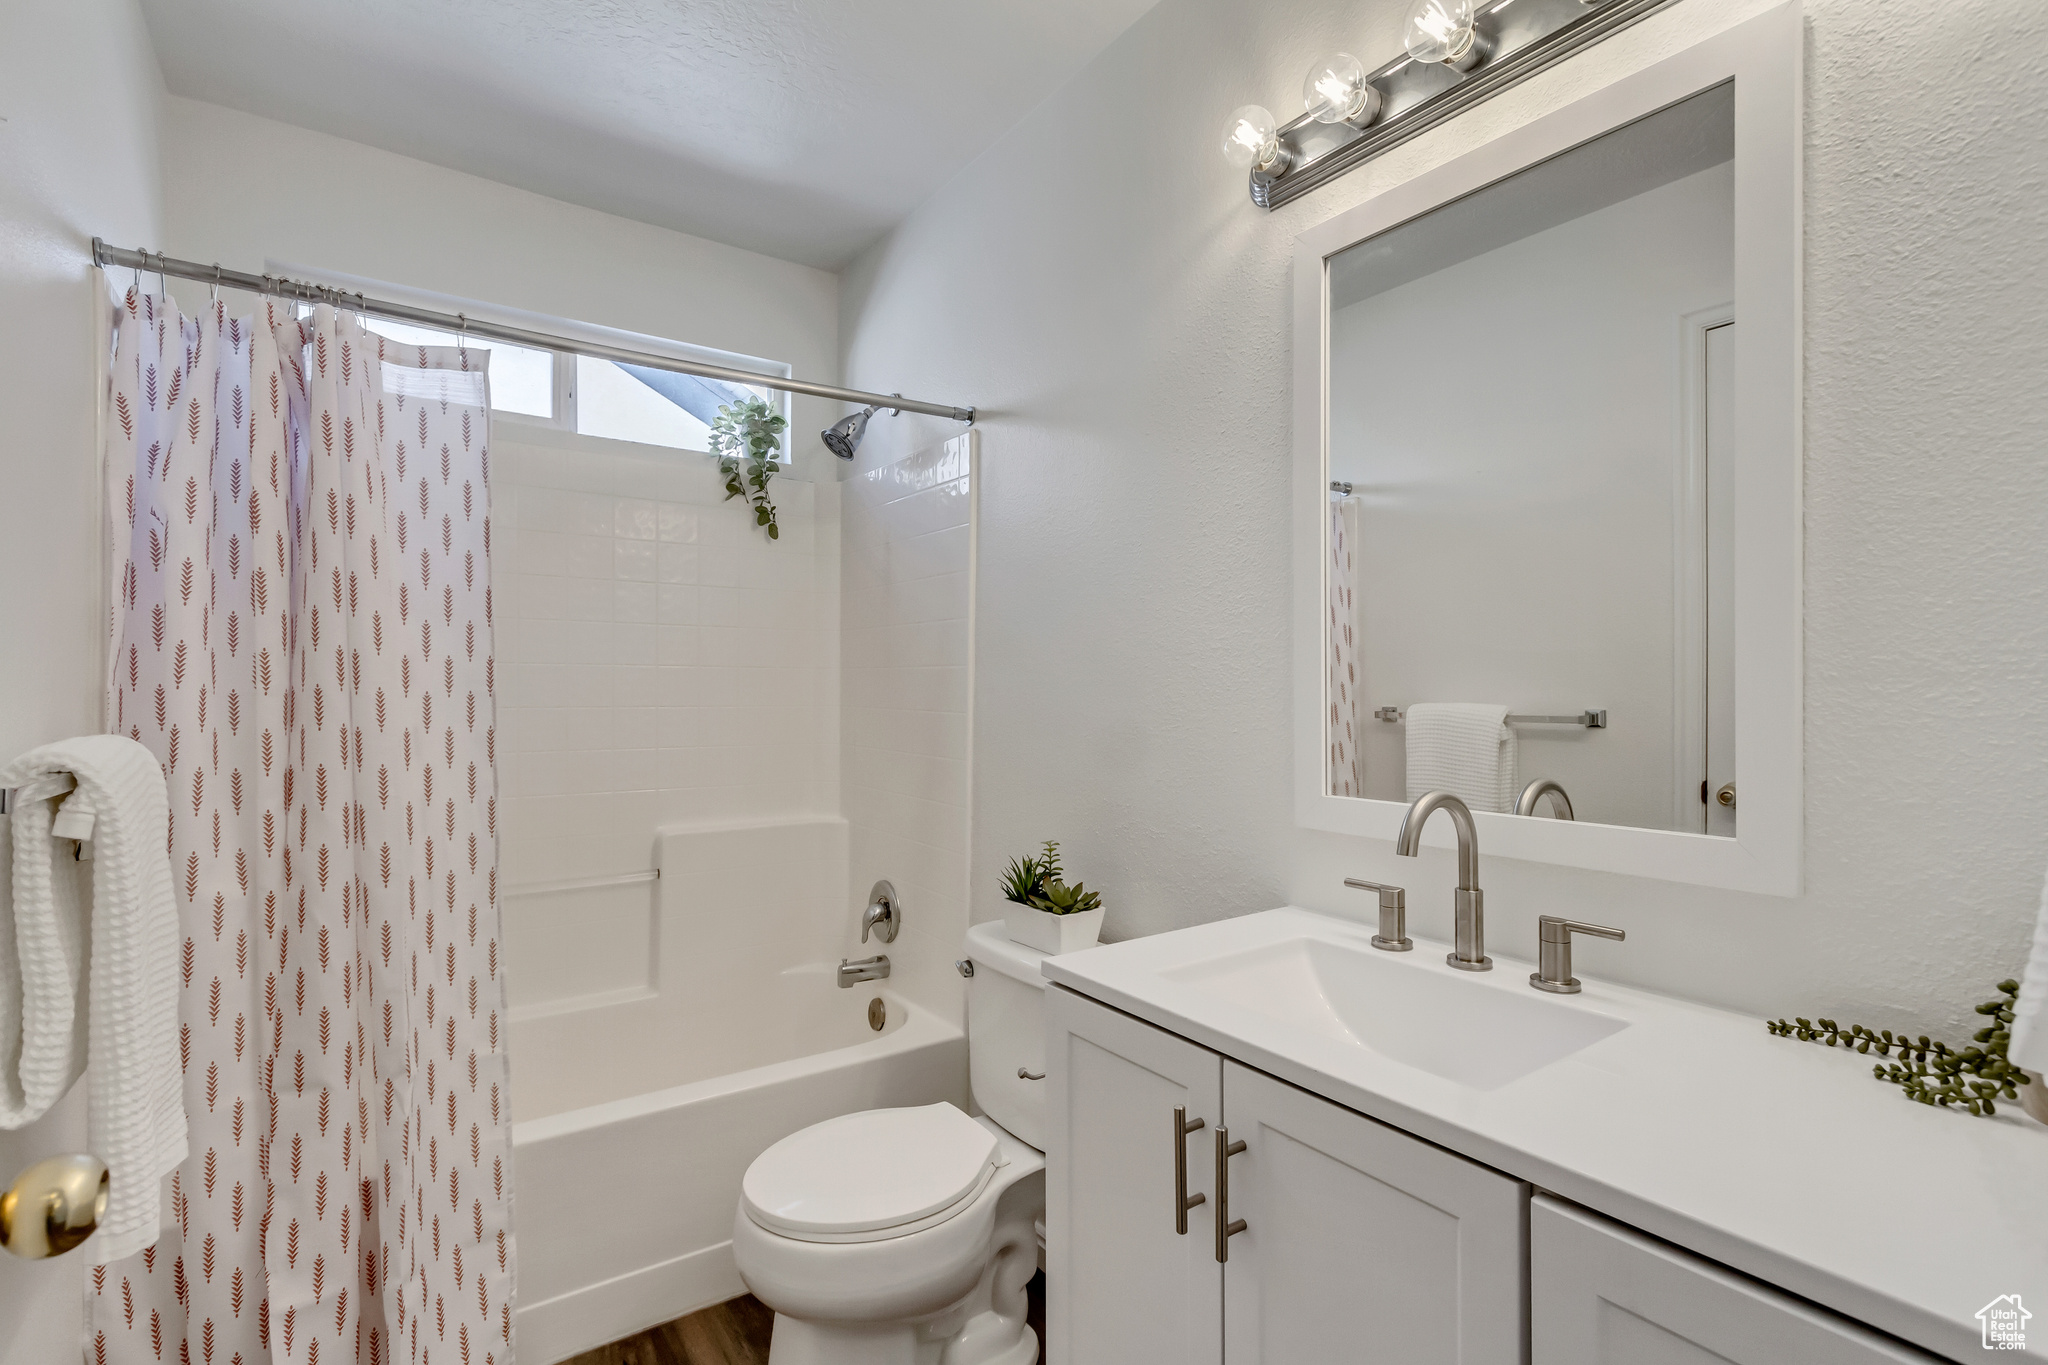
[[987, 1327]]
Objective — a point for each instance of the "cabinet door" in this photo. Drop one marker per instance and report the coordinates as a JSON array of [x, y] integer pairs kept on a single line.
[[1123, 1287], [1362, 1243], [1603, 1294]]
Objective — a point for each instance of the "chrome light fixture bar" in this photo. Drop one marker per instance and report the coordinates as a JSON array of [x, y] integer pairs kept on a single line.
[[155, 263], [1460, 54]]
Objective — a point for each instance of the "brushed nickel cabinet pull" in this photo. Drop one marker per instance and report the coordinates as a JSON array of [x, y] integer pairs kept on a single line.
[[1226, 1226], [1182, 1200]]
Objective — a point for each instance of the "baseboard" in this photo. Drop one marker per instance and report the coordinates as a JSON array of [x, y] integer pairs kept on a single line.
[[557, 1328]]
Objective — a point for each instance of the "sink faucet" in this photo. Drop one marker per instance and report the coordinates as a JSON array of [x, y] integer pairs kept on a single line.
[[1468, 949], [1560, 804]]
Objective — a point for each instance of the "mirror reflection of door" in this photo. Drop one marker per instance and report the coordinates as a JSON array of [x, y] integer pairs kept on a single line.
[[1718, 443]]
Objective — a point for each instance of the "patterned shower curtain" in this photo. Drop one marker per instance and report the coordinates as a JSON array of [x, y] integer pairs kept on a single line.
[[1347, 764], [302, 633]]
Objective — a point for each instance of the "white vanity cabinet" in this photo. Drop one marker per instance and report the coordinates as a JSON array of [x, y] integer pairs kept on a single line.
[[1361, 1243], [1124, 1288], [1605, 1294]]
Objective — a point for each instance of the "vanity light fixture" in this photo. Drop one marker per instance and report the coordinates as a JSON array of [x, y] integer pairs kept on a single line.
[[1459, 53], [1252, 143], [1445, 31], [1336, 91]]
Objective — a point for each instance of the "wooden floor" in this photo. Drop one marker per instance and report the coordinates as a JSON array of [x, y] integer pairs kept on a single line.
[[734, 1333]]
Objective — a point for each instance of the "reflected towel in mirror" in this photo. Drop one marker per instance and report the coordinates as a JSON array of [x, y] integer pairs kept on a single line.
[[1464, 748]]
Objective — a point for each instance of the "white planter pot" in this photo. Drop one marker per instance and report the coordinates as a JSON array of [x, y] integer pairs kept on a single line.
[[1050, 933]]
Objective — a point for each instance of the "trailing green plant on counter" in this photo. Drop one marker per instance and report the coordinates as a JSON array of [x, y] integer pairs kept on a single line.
[[1932, 1072], [745, 438], [1040, 883]]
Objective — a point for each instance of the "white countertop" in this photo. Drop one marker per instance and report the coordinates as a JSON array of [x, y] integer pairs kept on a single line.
[[1783, 1159]]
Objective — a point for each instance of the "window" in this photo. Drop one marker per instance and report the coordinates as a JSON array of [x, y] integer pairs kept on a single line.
[[522, 379], [656, 407], [587, 396]]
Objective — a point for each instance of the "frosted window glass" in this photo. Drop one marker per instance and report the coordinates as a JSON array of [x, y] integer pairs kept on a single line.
[[610, 402], [522, 379]]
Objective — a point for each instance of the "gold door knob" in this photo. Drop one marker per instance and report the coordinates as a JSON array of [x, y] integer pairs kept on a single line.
[[53, 1206]]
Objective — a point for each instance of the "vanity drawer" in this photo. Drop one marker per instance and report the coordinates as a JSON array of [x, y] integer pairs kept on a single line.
[[1602, 1294]]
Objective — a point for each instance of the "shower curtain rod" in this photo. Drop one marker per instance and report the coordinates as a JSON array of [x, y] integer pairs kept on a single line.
[[158, 264]]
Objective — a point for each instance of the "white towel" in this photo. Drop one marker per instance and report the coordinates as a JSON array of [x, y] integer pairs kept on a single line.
[[2029, 1045], [99, 985], [1465, 749]]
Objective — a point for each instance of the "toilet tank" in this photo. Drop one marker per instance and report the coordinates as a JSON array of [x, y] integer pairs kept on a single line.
[[1006, 1031]]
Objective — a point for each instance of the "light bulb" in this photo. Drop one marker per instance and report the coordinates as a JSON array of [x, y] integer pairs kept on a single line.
[[1336, 91], [1443, 31], [1251, 143]]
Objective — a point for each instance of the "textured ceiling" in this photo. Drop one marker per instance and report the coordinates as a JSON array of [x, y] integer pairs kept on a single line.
[[800, 128]]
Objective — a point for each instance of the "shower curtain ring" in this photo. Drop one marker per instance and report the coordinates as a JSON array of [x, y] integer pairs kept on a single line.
[[462, 339], [213, 294], [163, 281]]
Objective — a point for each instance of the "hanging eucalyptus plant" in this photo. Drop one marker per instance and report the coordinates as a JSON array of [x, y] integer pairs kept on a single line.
[[744, 439]]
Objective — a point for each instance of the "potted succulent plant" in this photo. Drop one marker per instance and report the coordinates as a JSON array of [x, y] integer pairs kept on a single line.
[[1044, 911]]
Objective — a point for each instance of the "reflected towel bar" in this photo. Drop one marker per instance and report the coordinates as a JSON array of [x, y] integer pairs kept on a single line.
[[1591, 720]]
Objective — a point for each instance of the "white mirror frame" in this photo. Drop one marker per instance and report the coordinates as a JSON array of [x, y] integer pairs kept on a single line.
[[1763, 56]]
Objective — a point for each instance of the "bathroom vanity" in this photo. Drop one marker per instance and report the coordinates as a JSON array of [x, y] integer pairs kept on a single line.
[[1448, 1166]]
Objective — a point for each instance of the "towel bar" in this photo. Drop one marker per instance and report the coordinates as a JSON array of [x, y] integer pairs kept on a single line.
[[1592, 720], [66, 825]]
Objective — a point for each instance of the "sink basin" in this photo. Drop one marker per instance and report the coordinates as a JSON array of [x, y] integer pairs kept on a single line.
[[1461, 1028]]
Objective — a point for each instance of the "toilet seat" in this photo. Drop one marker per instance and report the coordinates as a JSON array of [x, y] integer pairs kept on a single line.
[[871, 1176]]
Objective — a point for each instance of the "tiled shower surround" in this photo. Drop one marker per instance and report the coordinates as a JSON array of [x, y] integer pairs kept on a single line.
[[663, 662]]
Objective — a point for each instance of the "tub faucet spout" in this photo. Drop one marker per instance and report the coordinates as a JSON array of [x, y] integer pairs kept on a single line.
[[1468, 950], [874, 968]]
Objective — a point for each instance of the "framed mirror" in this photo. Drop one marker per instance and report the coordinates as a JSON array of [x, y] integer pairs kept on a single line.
[[1548, 481]]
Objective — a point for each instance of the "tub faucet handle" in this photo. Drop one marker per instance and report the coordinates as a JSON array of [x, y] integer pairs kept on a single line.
[[884, 914]]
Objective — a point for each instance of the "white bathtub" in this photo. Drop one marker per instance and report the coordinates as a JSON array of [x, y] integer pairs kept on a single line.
[[639, 1103]]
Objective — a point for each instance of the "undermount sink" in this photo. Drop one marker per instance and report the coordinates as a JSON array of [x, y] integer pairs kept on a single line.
[[1462, 1029]]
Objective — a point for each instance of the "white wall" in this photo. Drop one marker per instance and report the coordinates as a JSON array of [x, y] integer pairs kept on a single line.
[[1099, 284], [80, 102], [907, 622], [1518, 485]]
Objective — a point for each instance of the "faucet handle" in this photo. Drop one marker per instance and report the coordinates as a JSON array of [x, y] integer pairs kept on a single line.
[[1393, 934], [884, 915], [1554, 952]]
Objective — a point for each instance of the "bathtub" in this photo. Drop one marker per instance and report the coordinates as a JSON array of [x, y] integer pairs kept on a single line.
[[700, 1022]]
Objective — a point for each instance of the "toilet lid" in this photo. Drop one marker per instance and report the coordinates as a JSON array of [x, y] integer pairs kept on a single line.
[[857, 1176]]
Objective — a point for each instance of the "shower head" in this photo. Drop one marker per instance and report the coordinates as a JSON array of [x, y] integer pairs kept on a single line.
[[843, 437]]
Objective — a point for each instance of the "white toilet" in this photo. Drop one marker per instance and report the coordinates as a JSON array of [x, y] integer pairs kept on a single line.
[[907, 1236]]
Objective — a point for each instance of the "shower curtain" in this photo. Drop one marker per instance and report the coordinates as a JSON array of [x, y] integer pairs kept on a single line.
[[301, 632], [1347, 765]]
